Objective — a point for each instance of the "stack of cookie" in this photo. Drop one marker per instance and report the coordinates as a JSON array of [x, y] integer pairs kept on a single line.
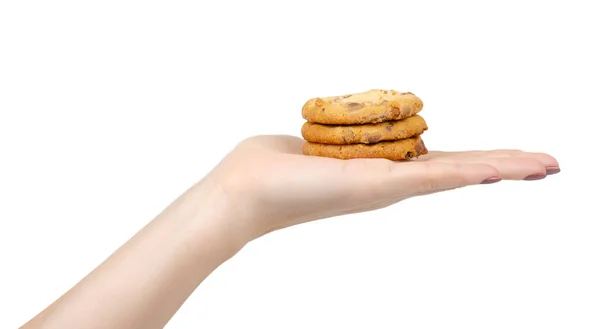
[[373, 124]]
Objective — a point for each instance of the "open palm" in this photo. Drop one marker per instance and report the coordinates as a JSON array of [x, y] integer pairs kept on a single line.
[[283, 187]]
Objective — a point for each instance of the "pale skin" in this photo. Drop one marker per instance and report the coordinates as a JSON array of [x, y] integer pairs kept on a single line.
[[264, 184]]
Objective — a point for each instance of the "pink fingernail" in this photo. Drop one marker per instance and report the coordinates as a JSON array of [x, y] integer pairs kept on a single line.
[[492, 180], [535, 177], [552, 170]]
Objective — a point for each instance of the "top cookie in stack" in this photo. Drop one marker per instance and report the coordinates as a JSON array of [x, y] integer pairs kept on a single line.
[[372, 124]]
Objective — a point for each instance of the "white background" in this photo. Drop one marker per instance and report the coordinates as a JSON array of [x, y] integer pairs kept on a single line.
[[111, 109]]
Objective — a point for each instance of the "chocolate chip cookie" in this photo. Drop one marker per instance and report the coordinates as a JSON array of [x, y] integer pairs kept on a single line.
[[365, 133], [373, 106], [403, 149]]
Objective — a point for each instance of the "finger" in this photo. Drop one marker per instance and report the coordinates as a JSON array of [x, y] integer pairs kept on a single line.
[[546, 159], [510, 168], [550, 163], [430, 177], [518, 168]]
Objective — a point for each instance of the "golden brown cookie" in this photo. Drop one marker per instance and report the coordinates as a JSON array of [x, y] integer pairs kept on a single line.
[[393, 150], [366, 133], [372, 106]]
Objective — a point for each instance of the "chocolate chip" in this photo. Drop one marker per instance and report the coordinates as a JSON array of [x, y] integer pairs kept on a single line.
[[389, 126], [406, 111], [409, 155], [420, 148], [374, 138], [395, 111], [351, 107]]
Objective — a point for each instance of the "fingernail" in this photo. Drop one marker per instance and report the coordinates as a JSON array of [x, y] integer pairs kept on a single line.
[[535, 177], [552, 170], [491, 180]]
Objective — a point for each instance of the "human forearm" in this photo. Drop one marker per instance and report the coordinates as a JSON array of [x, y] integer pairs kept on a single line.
[[144, 282]]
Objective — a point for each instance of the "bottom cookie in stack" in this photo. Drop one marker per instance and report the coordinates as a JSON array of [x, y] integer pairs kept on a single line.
[[393, 140]]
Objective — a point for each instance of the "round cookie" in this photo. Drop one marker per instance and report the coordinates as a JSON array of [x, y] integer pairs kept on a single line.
[[366, 133], [372, 106], [392, 150]]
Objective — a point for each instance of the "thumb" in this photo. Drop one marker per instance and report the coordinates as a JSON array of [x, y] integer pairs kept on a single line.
[[420, 178]]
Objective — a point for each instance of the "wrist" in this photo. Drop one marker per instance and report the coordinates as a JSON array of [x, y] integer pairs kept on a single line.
[[217, 216], [156, 270]]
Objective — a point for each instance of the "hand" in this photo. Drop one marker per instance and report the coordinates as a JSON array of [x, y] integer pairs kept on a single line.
[[264, 184], [269, 179]]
